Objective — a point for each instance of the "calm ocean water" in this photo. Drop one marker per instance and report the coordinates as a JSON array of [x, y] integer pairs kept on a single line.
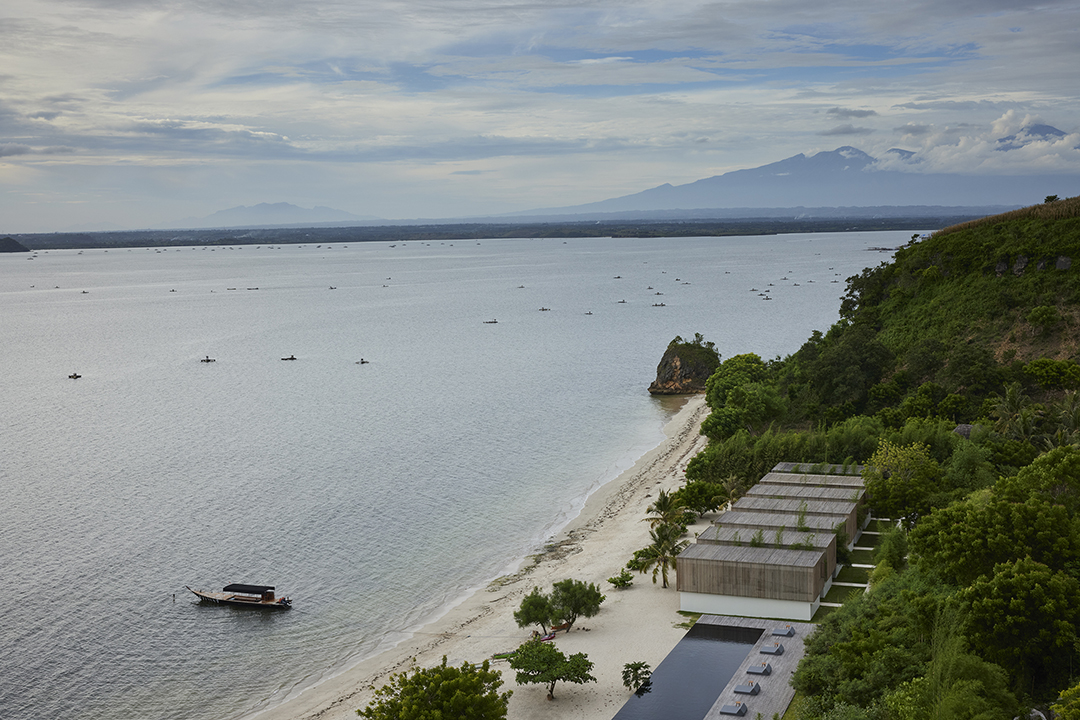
[[373, 494]]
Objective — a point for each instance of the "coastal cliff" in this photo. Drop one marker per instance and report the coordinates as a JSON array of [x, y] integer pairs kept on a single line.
[[685, 367]]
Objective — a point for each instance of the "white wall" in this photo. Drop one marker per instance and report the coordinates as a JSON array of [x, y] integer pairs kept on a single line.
[[747, 607]]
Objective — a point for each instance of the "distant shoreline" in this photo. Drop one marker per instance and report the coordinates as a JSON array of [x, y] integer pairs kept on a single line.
[[311, 235]]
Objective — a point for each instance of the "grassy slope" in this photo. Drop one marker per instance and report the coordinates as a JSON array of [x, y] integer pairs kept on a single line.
[[963, 285]]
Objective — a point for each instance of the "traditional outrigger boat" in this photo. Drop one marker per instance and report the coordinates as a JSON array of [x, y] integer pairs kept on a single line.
[[258, 596]]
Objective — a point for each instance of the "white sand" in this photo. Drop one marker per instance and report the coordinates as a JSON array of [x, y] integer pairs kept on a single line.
[[634, 624]]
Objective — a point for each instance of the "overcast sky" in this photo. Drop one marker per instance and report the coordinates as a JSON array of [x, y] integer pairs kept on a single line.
[[140, 112]]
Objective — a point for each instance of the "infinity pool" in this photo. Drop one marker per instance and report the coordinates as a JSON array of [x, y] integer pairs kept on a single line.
[[690, 679]]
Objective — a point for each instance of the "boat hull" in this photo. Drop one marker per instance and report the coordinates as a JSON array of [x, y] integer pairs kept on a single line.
[[237, 600]]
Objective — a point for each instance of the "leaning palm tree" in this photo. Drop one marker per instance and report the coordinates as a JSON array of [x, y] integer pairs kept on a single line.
[[661, 554]]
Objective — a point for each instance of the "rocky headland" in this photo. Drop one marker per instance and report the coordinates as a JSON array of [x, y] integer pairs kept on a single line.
[[685, 367]]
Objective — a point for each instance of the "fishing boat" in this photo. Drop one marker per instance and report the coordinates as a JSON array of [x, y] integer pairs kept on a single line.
[[256, 596]]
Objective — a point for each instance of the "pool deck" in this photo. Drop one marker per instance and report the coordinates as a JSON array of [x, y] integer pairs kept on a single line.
[[776, 691]]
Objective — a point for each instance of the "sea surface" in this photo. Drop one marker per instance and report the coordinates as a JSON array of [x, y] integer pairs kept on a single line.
[[376, 494]]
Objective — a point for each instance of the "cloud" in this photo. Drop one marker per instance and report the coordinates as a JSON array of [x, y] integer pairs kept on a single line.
[[913, 130], [955, 105], [560, 100], [846, 130], [12, 149], [980, 149], [849, 113]]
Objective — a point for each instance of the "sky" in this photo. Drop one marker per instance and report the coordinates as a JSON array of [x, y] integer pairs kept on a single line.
[[137, 113]]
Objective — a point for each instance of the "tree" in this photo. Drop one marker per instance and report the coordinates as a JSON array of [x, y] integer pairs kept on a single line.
[[470, 692], [758, 404], [536, 609], [543, 663], [892, 549], [734, 371], [900, 479], [661, 555], [636, 675], [873, 643], [701, 496], [668, 509], [1053, 476], [957, 685], [968, 539], [1024, 619], [571, 599], [1043, 318], [1067, 706]]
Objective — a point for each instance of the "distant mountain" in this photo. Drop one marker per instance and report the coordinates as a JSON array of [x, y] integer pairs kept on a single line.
[[845, 177], [273, 215]]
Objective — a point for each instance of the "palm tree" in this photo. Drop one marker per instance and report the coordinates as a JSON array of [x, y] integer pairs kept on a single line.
[[732, 484], [667, 510], [661, 554]]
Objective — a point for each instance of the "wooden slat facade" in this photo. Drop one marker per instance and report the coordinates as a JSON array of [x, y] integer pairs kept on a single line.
[[795, 575]]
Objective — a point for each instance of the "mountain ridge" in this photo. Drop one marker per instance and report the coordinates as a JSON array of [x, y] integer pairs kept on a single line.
[[846, 176]]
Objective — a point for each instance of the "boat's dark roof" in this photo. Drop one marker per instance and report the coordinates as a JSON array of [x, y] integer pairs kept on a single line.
[[252, 589]]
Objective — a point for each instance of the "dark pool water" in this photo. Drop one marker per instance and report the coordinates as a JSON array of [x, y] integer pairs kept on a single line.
[[690, 679]]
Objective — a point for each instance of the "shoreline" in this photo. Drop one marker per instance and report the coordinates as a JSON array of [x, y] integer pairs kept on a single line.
[[591, 547]]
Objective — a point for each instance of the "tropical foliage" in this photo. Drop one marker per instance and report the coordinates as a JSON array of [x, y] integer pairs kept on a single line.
[[573, 599], [660, 556], [952, 378], [569, 600], [636, 675], [542, 663], [470, 692]]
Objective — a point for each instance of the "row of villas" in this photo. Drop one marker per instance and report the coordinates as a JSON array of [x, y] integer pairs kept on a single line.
[[773, 553]]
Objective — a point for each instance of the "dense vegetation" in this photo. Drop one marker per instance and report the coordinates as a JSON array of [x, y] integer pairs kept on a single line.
[[470, 692], [952, 375]]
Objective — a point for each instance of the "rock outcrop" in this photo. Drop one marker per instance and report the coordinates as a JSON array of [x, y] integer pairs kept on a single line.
[[685, 367]]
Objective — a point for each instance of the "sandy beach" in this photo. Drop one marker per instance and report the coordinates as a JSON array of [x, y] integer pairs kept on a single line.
[[638, 623]]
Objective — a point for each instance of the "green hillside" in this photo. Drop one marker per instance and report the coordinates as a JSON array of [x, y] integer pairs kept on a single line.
[[952, 376], [928, 340], [978, 283]]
